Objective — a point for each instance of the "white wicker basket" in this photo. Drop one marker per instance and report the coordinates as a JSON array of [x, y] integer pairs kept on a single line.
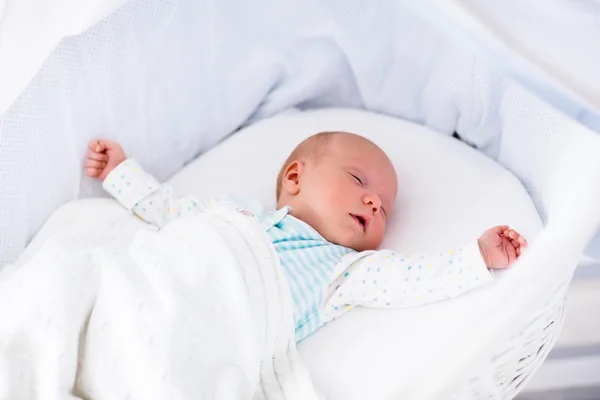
[[559, 164]]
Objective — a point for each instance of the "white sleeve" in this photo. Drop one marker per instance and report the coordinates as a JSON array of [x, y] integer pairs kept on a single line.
[[386, 279], [142, 194]]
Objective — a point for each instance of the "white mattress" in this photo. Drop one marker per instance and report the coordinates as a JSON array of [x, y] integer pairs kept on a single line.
[[448, 194]]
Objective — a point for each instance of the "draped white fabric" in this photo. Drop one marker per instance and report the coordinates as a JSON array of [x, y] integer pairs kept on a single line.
[[170, 78], [552, 47]]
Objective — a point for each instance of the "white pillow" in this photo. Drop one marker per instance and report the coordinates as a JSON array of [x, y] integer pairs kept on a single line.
[[449, 193]]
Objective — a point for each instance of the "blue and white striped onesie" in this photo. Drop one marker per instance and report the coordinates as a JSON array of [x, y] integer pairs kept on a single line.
[[326, 280]]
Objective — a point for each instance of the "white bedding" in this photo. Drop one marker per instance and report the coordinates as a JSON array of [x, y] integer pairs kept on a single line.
[[448, 194], [107, 308]]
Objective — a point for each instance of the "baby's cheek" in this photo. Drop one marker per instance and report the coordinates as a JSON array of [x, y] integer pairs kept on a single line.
[[333, 198], [378, 233]]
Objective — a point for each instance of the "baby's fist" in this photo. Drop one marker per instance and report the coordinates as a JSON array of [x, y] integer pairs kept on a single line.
[[102, 157], [501, 246]]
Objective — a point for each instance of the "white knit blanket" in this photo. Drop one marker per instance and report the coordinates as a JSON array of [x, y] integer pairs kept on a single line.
[[106, 310]]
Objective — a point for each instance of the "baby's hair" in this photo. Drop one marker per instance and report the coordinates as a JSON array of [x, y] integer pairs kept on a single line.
[[311, 147]]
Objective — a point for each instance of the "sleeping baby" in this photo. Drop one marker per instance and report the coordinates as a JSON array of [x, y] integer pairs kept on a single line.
[[335, 193]]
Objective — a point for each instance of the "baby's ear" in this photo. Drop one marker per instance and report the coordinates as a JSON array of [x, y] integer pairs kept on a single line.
[[291, 178]]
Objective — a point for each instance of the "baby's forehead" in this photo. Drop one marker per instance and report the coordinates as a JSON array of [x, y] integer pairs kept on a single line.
[[345, 147], [364, 156], [362, 150]]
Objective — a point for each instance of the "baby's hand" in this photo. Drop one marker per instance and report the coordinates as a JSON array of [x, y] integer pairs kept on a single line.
[[501, 246], [102, 157]]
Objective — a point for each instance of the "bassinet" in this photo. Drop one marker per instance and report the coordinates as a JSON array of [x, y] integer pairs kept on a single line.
[[176, 77]]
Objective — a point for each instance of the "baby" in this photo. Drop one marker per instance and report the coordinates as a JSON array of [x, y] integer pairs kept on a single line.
[[335, 193]]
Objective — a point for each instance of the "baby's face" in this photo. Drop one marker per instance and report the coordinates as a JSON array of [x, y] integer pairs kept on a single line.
[[348, 194]]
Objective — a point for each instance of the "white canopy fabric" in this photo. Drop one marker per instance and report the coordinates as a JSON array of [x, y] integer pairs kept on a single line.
[[31, 29], [552, 47]]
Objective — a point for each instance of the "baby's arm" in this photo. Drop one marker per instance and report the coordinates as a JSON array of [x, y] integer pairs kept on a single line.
[[135, 189], [386, 279], [142, 194]]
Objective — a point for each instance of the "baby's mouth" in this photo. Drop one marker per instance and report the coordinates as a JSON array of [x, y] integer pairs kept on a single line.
[[362, 221]]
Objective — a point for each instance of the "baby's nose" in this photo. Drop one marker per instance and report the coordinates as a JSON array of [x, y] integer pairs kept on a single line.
[[374, 201]]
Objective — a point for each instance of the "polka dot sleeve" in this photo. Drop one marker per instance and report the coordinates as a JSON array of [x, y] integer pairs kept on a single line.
[[142, 194], [386, 279]]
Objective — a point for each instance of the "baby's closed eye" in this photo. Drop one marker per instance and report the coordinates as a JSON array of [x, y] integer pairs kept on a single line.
[[356, 178]]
